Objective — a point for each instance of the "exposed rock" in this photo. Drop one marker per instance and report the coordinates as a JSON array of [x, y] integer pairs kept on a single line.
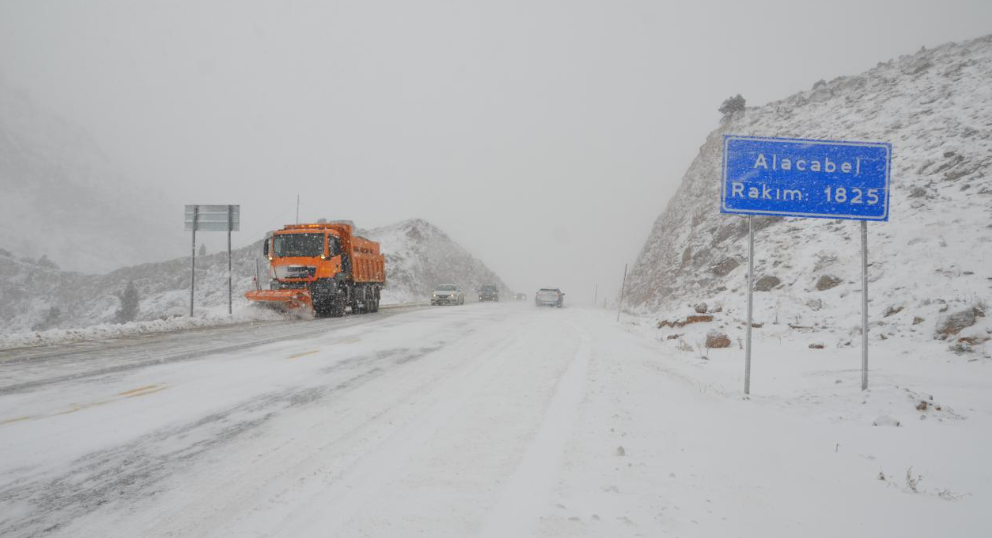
[[917, 320], [826, 282], [766, 283], [717, 339], [700, 308], [816, 345], [892, 310], [621, 451], [922, 406], [675, 336], [956, 322], [973, 340], [724, 267], [814, 304]]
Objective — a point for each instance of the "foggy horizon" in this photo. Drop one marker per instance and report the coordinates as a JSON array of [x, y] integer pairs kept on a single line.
[[544, 138]]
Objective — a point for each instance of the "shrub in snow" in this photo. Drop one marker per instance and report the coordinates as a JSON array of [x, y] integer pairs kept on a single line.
[[45, 262], [716, 339], [129, 304], [731, 105], [51, 319]]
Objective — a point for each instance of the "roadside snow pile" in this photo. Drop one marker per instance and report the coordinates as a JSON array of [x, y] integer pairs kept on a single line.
[[105, 331], [929, 274]]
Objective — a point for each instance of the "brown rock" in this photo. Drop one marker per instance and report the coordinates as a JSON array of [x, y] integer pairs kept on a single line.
[[826, 282], [674, 336], [816, 345], [922, 406], [892, 310], [717, 339], [724, 267], [956, 322], [917, 320], [766, 283]]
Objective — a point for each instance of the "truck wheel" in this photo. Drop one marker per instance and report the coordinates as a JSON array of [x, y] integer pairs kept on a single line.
[[336, 308]]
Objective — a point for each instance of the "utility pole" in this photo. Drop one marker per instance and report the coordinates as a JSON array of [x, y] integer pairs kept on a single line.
[[622, 285]]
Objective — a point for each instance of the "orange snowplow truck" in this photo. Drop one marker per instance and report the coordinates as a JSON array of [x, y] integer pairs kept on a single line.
[[323, 268]]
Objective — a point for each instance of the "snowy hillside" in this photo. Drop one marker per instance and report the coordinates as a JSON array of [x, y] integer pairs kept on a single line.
[[420, 256], [38, 295], [61, 196], [931, 265]]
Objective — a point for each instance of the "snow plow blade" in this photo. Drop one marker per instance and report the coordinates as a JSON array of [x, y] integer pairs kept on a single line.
[[288, 299]]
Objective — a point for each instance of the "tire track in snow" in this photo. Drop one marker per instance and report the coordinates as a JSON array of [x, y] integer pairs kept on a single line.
[[354, 487], [524, 497]]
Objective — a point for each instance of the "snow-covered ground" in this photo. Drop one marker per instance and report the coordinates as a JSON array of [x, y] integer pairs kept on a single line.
[[492, 420]]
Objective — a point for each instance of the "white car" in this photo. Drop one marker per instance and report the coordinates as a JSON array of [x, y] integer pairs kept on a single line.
[[549, 297], [447, 294]]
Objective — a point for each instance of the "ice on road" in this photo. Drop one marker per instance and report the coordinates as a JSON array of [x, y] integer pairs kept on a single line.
[[483, 420]]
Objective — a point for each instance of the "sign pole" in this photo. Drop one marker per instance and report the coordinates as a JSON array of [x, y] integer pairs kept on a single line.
[[192, 275], [622, 286], [864, 305], [750, 302], [230, 225]]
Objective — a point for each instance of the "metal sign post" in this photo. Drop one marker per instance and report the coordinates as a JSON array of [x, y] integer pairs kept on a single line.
[[230, 286], [864, 305], [212, 218], [790, 177], [750, 302], [622, 286], [192, 268]]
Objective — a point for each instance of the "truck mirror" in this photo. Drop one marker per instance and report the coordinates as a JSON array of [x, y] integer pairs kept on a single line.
[[265, 248]]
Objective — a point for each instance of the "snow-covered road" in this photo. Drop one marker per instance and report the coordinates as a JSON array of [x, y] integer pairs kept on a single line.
[[498, 420]]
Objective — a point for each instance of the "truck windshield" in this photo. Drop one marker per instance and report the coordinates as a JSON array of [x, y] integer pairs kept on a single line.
[[303, 245]]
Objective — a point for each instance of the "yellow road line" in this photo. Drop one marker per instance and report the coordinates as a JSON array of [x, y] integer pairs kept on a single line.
[[139, 389], [304, 354], [134, 394]]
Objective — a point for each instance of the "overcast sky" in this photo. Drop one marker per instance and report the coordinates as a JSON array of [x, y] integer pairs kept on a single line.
[[544, 136]]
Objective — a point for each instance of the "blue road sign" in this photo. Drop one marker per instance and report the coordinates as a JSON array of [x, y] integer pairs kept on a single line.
[[793, 177]]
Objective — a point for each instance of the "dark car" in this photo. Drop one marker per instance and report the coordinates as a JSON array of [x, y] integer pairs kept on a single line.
[[488, 293]]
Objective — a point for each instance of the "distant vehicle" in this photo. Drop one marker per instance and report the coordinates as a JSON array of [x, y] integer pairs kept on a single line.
[[519, 296], [447, 294], [549, 297], [489, 292], [322, 268]]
